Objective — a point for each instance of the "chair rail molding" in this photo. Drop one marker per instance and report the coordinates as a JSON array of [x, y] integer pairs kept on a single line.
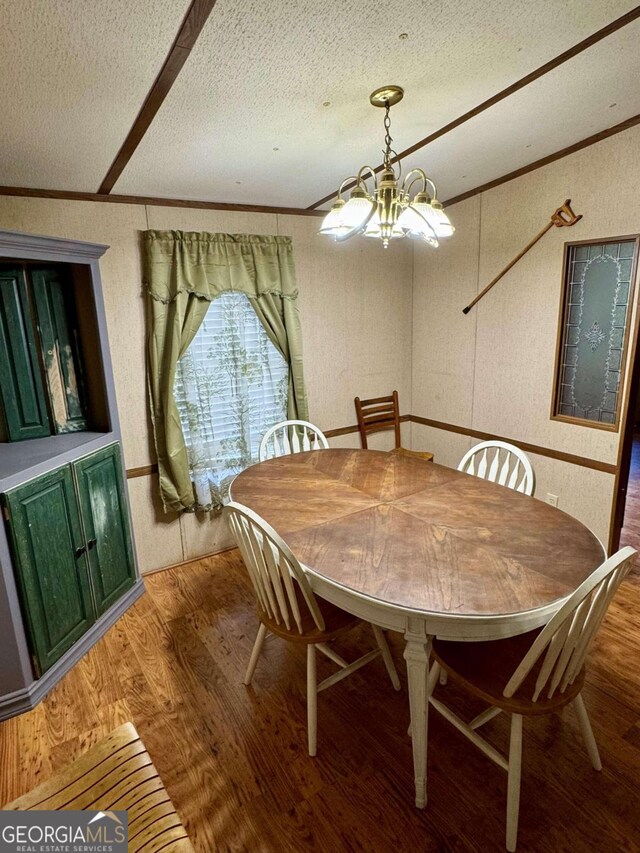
[[536, 449]]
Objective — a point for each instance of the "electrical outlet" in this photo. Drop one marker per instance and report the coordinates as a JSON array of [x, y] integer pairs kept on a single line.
[[552, 499]]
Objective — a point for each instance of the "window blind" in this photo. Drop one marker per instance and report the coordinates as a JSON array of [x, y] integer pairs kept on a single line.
[[230, 387]]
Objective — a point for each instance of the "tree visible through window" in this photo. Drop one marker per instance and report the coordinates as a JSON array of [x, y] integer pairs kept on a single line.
[[230, 387]]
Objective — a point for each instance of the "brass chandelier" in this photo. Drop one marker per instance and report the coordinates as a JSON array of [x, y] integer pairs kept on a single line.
[[387, 210]]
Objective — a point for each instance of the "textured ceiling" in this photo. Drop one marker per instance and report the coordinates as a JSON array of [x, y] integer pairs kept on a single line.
[[74, 74], [577, 99], [257, 81]]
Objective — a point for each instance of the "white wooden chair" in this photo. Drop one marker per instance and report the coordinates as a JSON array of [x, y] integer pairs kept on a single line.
[[291, 437], [536, 673], [288, 608], [501, 463]]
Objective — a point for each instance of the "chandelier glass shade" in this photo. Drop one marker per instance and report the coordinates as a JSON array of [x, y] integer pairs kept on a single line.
[[387, 206]]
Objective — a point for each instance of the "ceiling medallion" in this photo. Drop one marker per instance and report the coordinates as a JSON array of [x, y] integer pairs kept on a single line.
[[381, 206]]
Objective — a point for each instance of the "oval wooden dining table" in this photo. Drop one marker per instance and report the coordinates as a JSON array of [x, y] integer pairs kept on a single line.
[[422, 549]]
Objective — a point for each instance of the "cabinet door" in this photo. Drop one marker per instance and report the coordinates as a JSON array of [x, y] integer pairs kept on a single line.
[[60, 353], [106, 524], [50, 564], [23, 396]]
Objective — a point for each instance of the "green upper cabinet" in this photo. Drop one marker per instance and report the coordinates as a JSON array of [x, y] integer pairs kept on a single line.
[[106, 524], [52, 292], [50, 564], [21, 387]]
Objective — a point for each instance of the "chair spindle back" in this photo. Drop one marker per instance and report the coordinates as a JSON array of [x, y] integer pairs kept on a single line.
[[567, 637], [274, 571], [291, 437], [500, 463]]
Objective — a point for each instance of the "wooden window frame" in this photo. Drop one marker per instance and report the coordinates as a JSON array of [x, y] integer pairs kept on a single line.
[[561, 335]]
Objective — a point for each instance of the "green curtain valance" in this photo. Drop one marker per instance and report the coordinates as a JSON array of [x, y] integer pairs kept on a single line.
[[209, 264], [183, 272]]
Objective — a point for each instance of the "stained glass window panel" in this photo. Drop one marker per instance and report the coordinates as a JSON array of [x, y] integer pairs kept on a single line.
[[597, 295]]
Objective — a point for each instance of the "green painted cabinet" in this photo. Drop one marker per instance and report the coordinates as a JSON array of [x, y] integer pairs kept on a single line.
[[72, 550], [50, 564], [106, 525], [55, 315], [21, 390], [42, 390]]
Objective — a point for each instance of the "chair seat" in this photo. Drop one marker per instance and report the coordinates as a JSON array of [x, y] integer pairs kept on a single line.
[[419, 454], [116, 774], [336, 622], [486, 667]]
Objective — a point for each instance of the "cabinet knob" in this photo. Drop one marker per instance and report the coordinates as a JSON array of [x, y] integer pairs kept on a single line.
[[80, 551], [91, 544]]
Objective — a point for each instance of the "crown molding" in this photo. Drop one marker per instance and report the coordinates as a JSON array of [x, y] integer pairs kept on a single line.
[[156, 201], [16, 243]]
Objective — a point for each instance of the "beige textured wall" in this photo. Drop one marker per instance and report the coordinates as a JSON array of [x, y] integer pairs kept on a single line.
[[374, 320], [493, 368], [355, 303]]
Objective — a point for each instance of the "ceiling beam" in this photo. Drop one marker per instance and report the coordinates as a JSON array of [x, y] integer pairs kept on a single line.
[[192, 25], [554, 63], [156, 201], [550, 158]]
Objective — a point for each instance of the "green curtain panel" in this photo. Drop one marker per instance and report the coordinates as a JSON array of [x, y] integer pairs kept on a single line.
[[183, 272]]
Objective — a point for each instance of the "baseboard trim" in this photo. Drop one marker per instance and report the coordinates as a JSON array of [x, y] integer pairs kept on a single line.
[[19, 701], [183, 563]]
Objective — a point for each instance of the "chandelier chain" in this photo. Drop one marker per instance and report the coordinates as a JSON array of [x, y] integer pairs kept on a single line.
[[387, 139]]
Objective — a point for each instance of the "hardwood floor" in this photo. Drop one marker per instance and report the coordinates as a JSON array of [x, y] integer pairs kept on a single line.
[[630, 533], [234, 759]]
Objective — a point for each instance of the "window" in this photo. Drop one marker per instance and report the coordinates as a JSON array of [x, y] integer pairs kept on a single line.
[[594, 331], [230, 387]]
